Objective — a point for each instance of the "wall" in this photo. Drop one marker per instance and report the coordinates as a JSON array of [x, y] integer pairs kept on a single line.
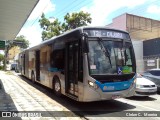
[[119, 22], [13, 52], [138, 49]]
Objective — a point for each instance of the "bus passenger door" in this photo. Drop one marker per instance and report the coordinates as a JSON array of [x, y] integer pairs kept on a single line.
[[71, 79], [24, 63], [37, 65]]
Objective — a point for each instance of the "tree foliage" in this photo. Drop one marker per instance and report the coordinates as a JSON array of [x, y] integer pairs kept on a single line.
[[50, 29], [71, 21], [75, 20], [21, 41], [1, 57]]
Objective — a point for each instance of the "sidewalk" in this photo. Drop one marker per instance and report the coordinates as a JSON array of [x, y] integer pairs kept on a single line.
[[17, 95]]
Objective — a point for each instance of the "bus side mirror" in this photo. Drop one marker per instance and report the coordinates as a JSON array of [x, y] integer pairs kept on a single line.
[[85, 43]]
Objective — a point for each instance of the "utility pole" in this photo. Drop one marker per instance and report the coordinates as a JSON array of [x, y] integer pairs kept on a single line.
[[5, 59]]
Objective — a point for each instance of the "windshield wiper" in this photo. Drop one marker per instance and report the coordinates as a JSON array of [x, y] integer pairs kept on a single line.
[[105, 50]]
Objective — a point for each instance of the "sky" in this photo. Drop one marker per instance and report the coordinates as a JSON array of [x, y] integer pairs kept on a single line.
[[102, 12]]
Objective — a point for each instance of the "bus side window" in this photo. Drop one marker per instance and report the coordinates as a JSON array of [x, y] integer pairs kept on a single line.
[[58, 59]]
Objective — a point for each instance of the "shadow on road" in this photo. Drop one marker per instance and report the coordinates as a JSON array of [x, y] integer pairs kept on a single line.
[[6, 103], [98, 108], [139, 98]]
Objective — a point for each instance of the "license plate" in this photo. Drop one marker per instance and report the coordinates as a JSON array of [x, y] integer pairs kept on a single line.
[[115, 96]]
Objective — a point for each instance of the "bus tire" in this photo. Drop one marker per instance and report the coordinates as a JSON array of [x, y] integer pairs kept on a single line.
[[33, 77], [57, 86]]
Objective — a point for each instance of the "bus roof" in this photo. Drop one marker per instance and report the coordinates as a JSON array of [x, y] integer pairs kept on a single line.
[[101, 27]]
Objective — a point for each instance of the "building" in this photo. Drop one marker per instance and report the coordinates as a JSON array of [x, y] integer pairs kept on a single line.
[[13, 52], [144, 32]]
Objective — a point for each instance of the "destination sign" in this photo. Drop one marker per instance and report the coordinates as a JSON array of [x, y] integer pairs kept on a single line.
[[107, 33]]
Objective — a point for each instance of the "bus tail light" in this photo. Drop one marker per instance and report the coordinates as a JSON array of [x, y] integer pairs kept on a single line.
[[92, 84]]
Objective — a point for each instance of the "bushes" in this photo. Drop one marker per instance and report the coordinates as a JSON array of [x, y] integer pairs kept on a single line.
[[1, 67]]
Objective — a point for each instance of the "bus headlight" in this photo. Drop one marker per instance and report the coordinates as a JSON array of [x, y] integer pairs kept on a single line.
[[92, 84]]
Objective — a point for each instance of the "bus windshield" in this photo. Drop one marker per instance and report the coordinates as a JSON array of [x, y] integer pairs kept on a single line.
[[110, 57]]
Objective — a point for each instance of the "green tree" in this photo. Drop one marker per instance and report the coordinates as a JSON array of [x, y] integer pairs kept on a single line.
[[1, 57], [50, 29], [71, 21], [75, 20], [21, 41]]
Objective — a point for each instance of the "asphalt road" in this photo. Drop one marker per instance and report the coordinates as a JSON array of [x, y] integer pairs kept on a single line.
[[23, 95]]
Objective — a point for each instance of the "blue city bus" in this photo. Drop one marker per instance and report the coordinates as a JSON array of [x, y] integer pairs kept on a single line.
[[85, 64]]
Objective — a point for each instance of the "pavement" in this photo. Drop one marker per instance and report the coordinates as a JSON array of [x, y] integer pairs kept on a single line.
[[18, 98]]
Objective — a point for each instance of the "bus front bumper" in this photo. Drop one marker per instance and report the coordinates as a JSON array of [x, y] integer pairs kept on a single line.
[[90, 94]]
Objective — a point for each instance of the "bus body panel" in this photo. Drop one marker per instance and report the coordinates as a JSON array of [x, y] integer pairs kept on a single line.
[[90, 94], [40, 59]]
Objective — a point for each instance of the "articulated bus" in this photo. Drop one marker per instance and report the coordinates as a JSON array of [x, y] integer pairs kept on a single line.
[[85, 64]]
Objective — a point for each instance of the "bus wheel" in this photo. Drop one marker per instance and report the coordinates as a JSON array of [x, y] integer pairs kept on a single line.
[[57, 86], [33, 77]]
